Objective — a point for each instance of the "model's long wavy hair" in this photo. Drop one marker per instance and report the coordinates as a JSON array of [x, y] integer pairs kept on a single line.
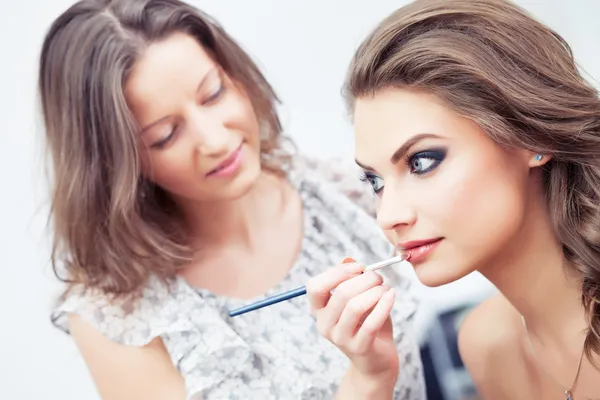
[[106, 236], [495, 64]]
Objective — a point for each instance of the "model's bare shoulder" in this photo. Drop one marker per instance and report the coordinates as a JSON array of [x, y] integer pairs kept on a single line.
[[490, 343]]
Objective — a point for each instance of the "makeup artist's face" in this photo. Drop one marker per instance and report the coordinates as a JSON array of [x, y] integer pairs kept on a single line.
[[440, 179], [200, 135]]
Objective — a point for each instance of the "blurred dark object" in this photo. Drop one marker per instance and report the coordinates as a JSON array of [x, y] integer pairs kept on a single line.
[[445, 375]]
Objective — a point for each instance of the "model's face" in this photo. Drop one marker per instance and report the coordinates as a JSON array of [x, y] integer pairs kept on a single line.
[[200, 135], [448, 195]]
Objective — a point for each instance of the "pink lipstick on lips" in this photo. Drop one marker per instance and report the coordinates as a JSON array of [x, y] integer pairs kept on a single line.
[[229, 166], [418, 250]]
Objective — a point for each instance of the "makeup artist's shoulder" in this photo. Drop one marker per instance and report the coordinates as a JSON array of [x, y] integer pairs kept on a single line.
[[489, 342], [125, 372]]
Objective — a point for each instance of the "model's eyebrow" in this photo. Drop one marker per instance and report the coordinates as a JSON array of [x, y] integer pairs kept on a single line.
[[202, 82], [403, 149], [363, 166]]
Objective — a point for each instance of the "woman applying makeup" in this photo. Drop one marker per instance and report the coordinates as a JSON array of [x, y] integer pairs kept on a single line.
[[175, 199], [482, 142]]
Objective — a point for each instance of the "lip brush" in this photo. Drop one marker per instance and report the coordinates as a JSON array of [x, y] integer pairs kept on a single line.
[[290, 294]]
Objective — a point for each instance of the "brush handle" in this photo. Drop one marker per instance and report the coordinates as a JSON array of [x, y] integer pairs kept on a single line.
[[301, 291], [385, 263], [290, 294]]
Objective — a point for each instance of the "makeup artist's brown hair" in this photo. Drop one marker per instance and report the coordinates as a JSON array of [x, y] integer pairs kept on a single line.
[[492, 62], [112, 227]]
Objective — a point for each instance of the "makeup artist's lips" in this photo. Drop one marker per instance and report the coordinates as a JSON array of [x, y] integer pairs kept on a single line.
[[229, 166], [418, 250]]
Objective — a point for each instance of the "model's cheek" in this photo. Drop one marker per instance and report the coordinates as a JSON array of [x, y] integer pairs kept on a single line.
[[449, 199], [481, 210]]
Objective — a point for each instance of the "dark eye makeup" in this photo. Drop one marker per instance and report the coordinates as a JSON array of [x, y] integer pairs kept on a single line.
[[419, 163]]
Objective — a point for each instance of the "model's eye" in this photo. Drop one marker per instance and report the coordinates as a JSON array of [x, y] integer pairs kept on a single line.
[[425, 161], [374, 180]]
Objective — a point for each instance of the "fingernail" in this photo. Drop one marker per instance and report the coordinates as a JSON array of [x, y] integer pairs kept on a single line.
[[390, 293], [354, 267]]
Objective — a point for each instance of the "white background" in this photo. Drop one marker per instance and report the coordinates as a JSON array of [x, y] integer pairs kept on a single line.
[[303, 46]]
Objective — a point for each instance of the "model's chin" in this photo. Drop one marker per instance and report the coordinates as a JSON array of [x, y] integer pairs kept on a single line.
[[434, 273]]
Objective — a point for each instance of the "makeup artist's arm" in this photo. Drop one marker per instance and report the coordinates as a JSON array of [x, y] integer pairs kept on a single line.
[[356, 318], [125, 373]]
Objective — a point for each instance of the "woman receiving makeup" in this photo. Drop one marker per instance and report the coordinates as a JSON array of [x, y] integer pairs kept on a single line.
[[481, 140], [175, 199]]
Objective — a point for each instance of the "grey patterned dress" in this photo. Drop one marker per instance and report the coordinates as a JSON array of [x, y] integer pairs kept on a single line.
[[276, 352]]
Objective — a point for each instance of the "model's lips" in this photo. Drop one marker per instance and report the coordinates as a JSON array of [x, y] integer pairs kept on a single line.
[[418, 250], [416, 243], [229, 165]]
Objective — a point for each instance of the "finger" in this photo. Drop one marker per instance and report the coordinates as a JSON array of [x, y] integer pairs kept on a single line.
[[318, 288], [366, 314], [356, 311], [351, 288], [345, 292], [363, 340]]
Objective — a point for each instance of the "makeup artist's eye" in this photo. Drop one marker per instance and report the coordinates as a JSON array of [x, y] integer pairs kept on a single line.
[[216, 92], [425, 161], [162, 143], [375, 181]]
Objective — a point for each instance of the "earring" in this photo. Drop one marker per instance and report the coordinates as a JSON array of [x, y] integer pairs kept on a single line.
[[538, 157], [143, 189]]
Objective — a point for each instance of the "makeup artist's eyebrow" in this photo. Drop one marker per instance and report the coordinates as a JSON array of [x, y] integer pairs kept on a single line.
[[204, 79], [402, 150]]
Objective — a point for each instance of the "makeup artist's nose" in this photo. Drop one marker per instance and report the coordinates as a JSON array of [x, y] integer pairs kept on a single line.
[[395, 210], [210, 136]]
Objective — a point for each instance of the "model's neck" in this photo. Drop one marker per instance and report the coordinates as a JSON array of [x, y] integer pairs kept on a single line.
[[533, 276]]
